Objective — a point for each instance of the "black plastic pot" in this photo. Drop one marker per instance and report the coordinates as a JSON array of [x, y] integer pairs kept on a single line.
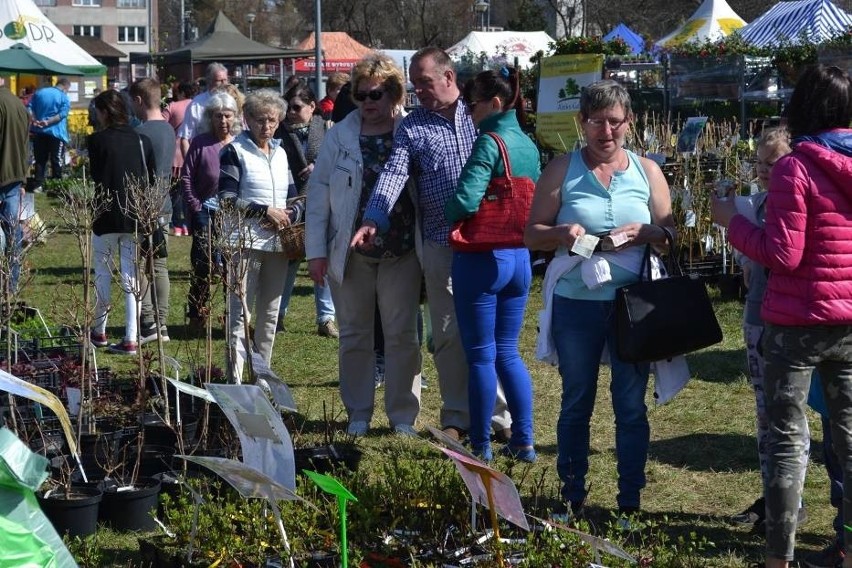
[[129, 509], [76, 515], [157, 433], [327, 459], [319, 559]]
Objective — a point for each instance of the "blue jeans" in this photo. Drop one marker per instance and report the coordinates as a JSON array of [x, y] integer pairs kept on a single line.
[[581, 329], [10, 209], [322, 295], [490, 292]]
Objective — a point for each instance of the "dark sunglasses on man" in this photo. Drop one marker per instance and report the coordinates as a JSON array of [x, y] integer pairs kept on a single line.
[[373, 95]]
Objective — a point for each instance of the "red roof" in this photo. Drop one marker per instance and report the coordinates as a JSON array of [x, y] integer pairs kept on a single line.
[[337, 46]]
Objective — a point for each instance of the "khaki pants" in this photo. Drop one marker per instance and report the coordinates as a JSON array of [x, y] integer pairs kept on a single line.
[[262, 274], [395, 284]]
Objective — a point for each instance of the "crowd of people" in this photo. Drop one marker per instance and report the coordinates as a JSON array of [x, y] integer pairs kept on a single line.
[[380, 189]]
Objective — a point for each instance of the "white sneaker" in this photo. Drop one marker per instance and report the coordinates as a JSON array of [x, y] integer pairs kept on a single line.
[[405, 430], [357, 428]]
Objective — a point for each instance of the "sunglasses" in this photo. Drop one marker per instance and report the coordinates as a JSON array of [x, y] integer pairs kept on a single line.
[[374, 95]]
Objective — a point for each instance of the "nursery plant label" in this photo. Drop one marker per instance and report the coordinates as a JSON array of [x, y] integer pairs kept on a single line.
[[280, 391], [191, 390], [264, 439], [507, 502], [249, 482], [13, 385]]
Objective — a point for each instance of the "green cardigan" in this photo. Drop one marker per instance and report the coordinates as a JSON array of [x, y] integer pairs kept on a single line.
[[485, 163]]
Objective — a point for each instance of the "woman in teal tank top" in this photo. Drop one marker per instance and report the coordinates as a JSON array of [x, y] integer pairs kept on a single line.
[[600, 189]]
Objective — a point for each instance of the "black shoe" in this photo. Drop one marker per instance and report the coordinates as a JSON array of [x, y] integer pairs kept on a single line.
[[754, 515]]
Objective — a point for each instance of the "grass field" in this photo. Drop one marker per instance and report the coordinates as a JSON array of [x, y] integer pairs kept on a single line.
[[702, 465]]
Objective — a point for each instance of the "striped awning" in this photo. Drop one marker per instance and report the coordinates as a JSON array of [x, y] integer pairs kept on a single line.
[[818, 20]]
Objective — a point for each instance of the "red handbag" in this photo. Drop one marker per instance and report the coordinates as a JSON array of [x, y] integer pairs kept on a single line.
[[502, 215]]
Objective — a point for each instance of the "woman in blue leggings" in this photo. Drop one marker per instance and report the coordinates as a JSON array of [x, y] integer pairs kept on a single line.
[[490, 288]]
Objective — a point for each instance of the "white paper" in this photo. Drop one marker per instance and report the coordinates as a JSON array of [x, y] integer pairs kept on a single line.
[[585, 245]]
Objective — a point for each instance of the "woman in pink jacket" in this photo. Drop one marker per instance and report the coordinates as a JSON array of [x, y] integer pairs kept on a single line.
[[807, 246]]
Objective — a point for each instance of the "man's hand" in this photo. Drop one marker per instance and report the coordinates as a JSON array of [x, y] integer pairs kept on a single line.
[[365, 236], [317, 268]]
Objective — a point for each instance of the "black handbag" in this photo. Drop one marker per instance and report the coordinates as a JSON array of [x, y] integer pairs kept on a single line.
[[663, 318]]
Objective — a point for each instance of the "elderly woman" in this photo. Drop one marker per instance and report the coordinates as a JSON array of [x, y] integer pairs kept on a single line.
[[253, 184], [601, 188], [301, 134], [118, 154], [351, 157], [807, 307], [221, 121]]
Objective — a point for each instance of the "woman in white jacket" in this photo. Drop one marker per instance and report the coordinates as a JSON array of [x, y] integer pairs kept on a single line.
[[350, 159], [254, 180]]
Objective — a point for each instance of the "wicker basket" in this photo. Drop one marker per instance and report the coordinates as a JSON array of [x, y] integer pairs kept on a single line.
[[293, 236]]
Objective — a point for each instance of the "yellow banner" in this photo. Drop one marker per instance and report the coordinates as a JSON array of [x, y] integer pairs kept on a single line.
[[562, 78]]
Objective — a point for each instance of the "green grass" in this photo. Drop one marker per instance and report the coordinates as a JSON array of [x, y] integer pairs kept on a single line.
[[702, 465]]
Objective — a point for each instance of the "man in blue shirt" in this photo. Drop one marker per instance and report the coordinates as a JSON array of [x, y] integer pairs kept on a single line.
[[49, 110], [432, 144]]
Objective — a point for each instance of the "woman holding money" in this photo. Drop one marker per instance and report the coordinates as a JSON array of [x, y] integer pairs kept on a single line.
[[608, 191]]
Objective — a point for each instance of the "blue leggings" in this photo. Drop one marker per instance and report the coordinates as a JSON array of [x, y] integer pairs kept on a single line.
[[490, 294]]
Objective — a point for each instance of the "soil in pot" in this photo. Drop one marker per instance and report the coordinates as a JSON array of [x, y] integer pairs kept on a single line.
[[75, 514], [128, 508]]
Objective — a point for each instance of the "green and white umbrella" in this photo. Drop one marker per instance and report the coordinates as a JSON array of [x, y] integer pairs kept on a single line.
[[22, 59]]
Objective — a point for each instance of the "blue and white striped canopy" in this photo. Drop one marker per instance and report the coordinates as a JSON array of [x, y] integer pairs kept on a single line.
[[818, 20]]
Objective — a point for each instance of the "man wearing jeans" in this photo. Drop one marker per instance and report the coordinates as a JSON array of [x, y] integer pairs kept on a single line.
[[49, 110], [14, 139], [432, 144]]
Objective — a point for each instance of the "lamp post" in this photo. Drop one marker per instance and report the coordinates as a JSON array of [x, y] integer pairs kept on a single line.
[[250, 17], [481, 7]]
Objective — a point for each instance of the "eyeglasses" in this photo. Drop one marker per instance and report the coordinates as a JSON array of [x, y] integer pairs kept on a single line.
[[613, 123], [374, 95]]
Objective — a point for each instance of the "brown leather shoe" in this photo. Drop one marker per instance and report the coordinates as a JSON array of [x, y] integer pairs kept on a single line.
[[454, 432]]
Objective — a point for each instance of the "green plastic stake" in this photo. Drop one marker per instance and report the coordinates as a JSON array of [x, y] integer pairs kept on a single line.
[[333, 487]]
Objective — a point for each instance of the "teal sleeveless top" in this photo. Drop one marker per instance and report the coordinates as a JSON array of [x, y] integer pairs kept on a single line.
[[599, 209]]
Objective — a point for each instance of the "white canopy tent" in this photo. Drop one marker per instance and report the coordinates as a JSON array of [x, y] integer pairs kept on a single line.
[[24, 23], [713, 20], [520, 45]]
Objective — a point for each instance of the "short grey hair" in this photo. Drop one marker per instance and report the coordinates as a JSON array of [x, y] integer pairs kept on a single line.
[[602, 95], [217, 102], [212, 69], [264, 100]]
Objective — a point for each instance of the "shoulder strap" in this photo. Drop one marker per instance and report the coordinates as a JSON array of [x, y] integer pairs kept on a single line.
[[504, 155], [144, 161]]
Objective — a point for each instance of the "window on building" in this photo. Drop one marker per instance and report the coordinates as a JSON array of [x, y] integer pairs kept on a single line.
[[131, 34], [95, 3], [89, 31], [45, 2], [131, 3]]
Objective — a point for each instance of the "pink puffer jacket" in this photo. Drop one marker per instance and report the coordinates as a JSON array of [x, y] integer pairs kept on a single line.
[[807, 240]]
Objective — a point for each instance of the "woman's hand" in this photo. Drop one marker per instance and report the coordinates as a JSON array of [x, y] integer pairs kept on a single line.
[[306, 173], [639, 234], [317, 268], [722, 210], [567, 235], [277, 217]]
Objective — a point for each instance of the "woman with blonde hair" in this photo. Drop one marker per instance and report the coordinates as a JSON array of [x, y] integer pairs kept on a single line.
[[350, 159]]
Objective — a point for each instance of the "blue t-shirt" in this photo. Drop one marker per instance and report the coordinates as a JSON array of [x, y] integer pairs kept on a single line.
[[599, 210]]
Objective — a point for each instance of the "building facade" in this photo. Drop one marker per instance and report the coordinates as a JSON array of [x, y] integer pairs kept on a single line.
[[127, 25]]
